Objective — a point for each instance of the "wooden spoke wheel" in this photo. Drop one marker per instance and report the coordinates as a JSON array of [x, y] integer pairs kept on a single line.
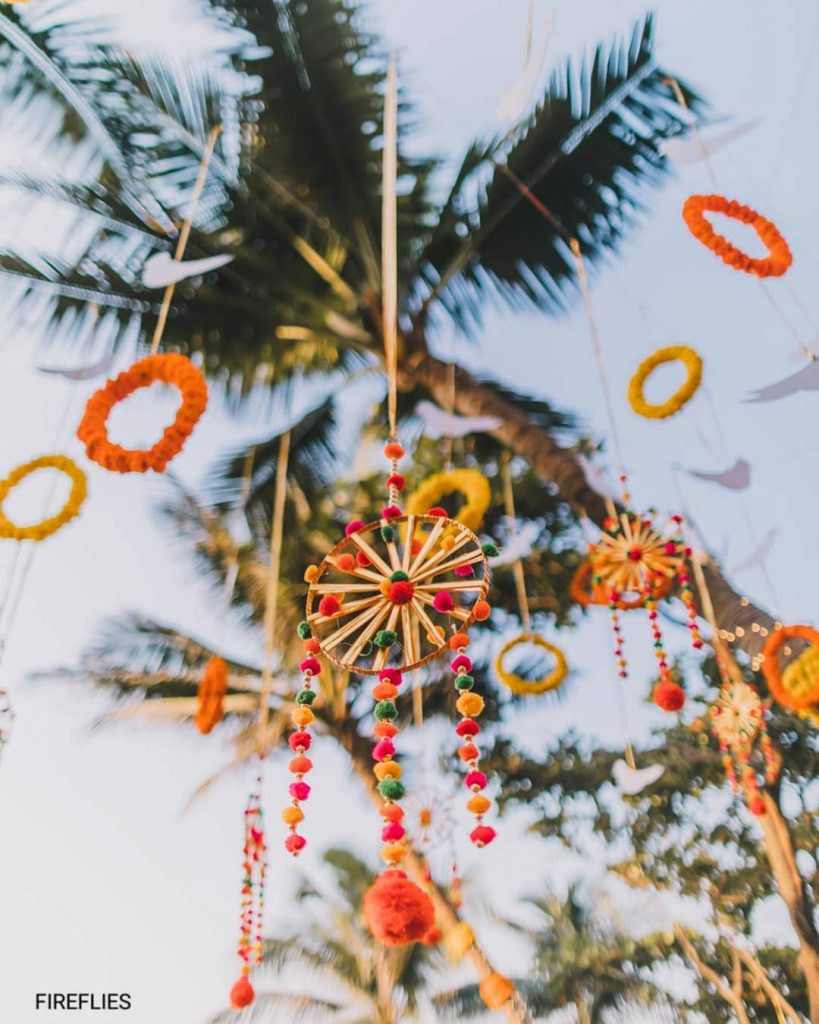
[[374, 601]]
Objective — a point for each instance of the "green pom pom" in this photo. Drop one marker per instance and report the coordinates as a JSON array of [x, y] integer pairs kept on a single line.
[[464, 682], [490, 550], [388, 534], [385, 638], [385, 709], [367, 650], [304, 630], [398, 576], [391, 789], [305, 696]]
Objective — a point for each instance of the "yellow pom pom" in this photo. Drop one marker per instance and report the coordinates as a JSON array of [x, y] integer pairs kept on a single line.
[[479, 804], [458, 940], [387, 770], [470, 705], [311, 574], [302, 716], [292, 815], [393, 853], [495, 990]]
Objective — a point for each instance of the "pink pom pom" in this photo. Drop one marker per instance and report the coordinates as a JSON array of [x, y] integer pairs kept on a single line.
[[392, 832], [383, 749], [391, 512], [299, 790], [391, 675], [467, 727], [300, 739], [295, 844], [465, 571], [312, 665], [354, 527], [476, 780], [482, 835], [461, 662], [443, 602]]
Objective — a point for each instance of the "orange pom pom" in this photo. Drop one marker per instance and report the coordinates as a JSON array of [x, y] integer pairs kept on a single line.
[[385, 691], [292, 815], [385, 730], [495, 990], [394, 450], [387, 770], [393, 853], [433, 936], [301, 716], [311, 645], [392, 812], [481, 611], [300, 765], [398, 912], [479, 804], [346, 562], [458, 640], [242, 994]]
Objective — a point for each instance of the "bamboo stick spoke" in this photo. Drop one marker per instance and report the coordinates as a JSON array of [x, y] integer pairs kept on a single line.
[[383, 653], [457, 613], [407, 552], [345, 588], [392, 553], [440, 555], [452, 585], [360, 571], [341, 634], [367, 634], [373, 555], [429, 543], [425, 620], [410, 638], [439, 570]]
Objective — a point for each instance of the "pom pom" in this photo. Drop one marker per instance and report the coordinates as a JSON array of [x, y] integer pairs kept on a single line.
[[305, 696], [391, 512], [391, 789], [383, 749], [292, 815], [385, 730], [459, 940], [490, 550], [467, 728], [393, 832], [301, 716], [478, 804], [465, 571], [311, 574], [329, 605], [385, 638], [495, 990], [393, 853], [354, 527], [299, 790], [476, 780], [461, 662], [757, 806], [398, 912], [387, 770], [392, 812], [385, 709], [416, 546], [432, 937], [304, 630], [399, 574], [469, 752], [438, 512], [469, 704], [300, 765], [464, 682], [362, 559], [482, 835], [391, 675], [346, 562], [311, 646], [481, 611], [388, 534], [300, 739], [401, 592], [384, 691], [242, 994], [394, 450], [443, 602], [669, 696], [397, 481], [311, 665], [295, 844], [457, 641]]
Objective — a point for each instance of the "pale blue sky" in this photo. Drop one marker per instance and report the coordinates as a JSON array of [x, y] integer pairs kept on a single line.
[[103, 885]]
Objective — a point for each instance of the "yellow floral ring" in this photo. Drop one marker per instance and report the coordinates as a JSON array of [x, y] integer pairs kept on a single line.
[[69, 511], [471, 483], [530, 687], [673, 353]]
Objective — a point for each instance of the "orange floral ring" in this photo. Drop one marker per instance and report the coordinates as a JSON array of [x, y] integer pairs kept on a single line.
[[806, 697], [584, 595], [166, 369], [779, 257]]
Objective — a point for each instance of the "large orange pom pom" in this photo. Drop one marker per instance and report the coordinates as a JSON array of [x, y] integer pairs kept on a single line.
[[397, 910], [242, 994]]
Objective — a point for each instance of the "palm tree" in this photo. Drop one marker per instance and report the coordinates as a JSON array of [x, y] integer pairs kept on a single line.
[[364, 983]]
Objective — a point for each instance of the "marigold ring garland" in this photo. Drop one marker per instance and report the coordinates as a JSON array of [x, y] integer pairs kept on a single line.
[[805, 695], [526, 687], [471, 483], [779, 256], [672, 353], [71, 509], [167, 368]]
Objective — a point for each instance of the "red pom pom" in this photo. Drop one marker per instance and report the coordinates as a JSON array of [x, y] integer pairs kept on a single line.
[[397, 481], [383, 749], [401, 592], [312, 665], [393, 832], [242, 994], [461, 662], [757, 806], [362, 559], [432, 937], [467, 727], [391, 512], [391, 675], [443, 602], [437, 511], [299, 790], [354, 527], [300, 739], [669, 696], [397, 911], [329, 605], [295, 844], [482, 835], [476, 780], [465, 571]]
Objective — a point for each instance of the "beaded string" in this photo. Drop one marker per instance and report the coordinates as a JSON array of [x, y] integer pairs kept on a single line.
[[251, 915]]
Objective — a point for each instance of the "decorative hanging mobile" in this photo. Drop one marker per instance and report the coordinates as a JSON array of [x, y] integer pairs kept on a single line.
[[555, 678], [382, 603]]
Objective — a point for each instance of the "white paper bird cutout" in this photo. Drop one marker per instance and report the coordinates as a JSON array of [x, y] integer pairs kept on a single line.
[[519, 546], [634, 780], [758, 555], [806, 379], [737, 478], [438, 423], [689, 150], [512, 105], [89, 372], [162, 269]]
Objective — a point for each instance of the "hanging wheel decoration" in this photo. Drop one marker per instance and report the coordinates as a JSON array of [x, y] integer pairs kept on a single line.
[[585, 592], [71, 509], [470, 483], [779, 257], [252, 913], [673, 353], [167, 369], [797, 685], [737, 721], [211, 695], [526, 687]]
